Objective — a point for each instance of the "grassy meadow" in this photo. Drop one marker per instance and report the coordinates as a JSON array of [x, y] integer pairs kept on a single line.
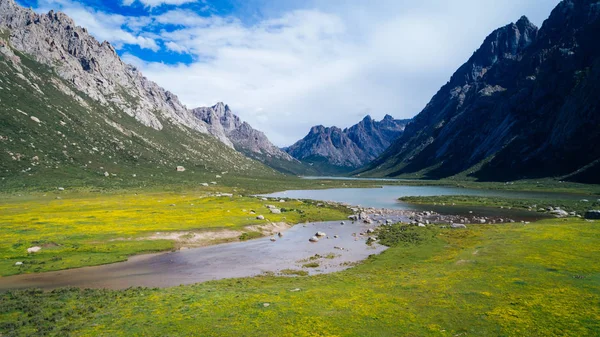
[[84, 228], [536, 205], [540, 279]]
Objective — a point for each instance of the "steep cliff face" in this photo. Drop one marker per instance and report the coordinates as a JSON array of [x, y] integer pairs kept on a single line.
[[333, 150], [70, 107], [525, 105]]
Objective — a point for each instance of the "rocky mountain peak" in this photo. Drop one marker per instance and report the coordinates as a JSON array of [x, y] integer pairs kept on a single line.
[[244, 138], [507, 42], [524, 106], [335, 150]]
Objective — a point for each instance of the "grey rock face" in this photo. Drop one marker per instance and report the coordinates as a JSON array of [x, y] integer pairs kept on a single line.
[[525, 105], [350, 148], [221, 121], [95, 68]]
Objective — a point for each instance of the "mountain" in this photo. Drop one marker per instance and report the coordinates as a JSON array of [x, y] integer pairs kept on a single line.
[[69, 106], [525, 105], [333, 150], [247, 140]]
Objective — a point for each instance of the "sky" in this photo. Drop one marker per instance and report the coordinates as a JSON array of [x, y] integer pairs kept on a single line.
[[286, 65]]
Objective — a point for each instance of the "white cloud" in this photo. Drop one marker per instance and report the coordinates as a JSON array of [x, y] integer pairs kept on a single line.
[[156, 3], [101, 25]]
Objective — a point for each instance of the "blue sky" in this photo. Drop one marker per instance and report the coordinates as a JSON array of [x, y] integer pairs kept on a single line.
[[286, 65]]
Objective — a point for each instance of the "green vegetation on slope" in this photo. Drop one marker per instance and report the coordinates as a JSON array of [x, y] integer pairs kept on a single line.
[[535, 205], [540, 279], [51, 134], [84, 229]]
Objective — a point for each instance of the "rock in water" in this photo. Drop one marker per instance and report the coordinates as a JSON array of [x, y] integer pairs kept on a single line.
[[559, 213], [593, 215], [314, 239]]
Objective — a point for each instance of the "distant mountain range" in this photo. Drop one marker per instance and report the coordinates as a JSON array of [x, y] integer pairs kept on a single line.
[[331, 150], [525, 105]]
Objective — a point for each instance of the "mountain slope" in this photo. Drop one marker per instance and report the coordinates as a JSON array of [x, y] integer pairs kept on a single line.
[[247, 140], [71, 109], [525, 105], [333, 150]]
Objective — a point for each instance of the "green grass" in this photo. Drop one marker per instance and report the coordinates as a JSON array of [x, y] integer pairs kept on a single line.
[[83, 229], [311, 265], [540, 279], [293, 272], [537, 205]]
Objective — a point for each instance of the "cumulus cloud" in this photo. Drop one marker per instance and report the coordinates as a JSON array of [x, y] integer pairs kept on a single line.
[[103, 26]]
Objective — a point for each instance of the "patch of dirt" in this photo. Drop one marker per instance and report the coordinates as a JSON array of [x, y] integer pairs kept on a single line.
[[188, 239]]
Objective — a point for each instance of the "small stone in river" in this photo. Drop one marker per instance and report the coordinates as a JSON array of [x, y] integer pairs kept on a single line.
[[273, 239], [370, 230], [336, 236], [342, 223], [314, 239], [280, 234], [320, 234]]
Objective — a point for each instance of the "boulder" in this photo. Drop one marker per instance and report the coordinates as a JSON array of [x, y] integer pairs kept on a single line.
[[18, 263], [260, 217], [370, 230], [458, 225], [319, 234], [559, 213], [421, 225], [275, 211], [180, 169], [34, 249], [106, 174], [592, 214], [314, 239]]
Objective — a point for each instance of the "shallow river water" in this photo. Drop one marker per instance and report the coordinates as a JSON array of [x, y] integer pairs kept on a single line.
[[230, 260]]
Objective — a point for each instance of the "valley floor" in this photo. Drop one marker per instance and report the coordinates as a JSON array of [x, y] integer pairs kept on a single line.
[[540, 279], [537, 279]]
